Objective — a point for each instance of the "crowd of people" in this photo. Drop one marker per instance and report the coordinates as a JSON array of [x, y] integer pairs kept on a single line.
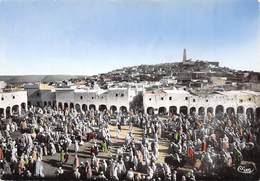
[[208, 145]]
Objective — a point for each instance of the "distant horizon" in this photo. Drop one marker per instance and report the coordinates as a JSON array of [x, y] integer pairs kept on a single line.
[[85, 37], [119, 68]]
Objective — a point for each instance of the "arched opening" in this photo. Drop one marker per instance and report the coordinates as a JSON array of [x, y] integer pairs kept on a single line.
[[250, 113], [49, 103], [8, 112], [192, 110], [257, 113], [92, 107], [84, 107], [162, 111], [184, 110], [60, 105], [66, 106], [54, 103], [173, 110], [23, 107], [102, 107], [240, 110], [45, 103], [113, 109], [29, 104], [210, 110], [2, 112], [77, 106], [150, 110], [15, 110], [230, 111], [123, 109], [219, 109], [201, 111], [71, 105]]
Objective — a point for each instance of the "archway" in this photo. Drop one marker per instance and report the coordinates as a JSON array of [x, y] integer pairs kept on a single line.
[[71, 105], [60, 105], [240, 110], [84, 107], [201, 111], [54, 103], [2, 112], [8, 112], [192, 110], [257, 113], [23, 108], [123, 109], [49, 103], [184, 110], [150, 110], [219, 109], [102, 107], [230, 111], [210, 110], [92, 107], [29, 105], [45, 103], [173, 110], [77, 106], [66, 106], [250, 113], [162, 111], [15, 109], [113, 109]]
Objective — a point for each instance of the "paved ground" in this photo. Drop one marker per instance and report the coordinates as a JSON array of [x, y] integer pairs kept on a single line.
[[50, 162]]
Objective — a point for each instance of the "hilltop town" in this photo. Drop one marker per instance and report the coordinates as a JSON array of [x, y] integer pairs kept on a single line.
[[184, 118]]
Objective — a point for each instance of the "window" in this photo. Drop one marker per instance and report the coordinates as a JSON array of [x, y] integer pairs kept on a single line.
[[116, 95], [2, 98], [240, 100], [250, 99], [38, 94], [207, 100], [162, 98], [186, 98], [92, 97], [193, 100], [170, 98], [150, 99], [122, 95], [81, 97], [13, 97], [102, 97]]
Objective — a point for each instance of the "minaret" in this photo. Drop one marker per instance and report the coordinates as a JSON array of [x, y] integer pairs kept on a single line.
[[184, 55]]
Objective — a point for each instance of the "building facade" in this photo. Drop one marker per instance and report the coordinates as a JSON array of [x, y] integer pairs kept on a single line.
[[181, 101], [40, 94], [113, 99], [12, 103]]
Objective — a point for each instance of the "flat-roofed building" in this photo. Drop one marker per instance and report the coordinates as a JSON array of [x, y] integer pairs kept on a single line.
[[180, 101], [12, 103]]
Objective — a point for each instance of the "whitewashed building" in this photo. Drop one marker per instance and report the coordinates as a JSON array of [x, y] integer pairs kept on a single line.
[[13, 102], [181, 101], [113, 99], [40, 94]]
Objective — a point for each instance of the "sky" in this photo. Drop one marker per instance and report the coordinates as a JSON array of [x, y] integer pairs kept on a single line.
[[86, 37]]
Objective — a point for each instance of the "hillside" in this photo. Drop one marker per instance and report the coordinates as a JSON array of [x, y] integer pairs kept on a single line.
[[35, 78]]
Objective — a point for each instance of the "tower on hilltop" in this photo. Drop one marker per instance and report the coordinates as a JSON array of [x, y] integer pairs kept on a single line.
[[184, 55]]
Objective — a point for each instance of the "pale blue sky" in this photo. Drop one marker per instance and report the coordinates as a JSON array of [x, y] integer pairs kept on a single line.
[[94, 36]]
